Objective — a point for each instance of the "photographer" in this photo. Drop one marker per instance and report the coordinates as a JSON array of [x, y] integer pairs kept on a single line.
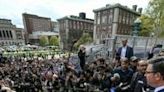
[[82, 55]]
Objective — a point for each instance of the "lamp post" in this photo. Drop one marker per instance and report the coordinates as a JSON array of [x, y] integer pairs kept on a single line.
[[136, 27]]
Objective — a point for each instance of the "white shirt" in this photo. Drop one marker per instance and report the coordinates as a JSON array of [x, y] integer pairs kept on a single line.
[[158, 88], [123, 52], [151, 50]]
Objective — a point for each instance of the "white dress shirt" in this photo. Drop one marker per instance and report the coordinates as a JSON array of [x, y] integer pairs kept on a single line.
[[123, 52], [158, 88]]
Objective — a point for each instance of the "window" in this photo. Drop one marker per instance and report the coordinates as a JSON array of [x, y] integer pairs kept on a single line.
[[10, 34], [123, 17], [126, 17], [74, 24], [78, 27], [85, 25], [110, 19], [131, 19], [103, 28], [110, 29], [127, 22], [4, 34], [64, 25], [111, 11], [81, 25], [104, 19], [98, 18], [109, 34], [110, 16], [89, 27], [120, 16], [103, 35], [70, 24], [7, 32]]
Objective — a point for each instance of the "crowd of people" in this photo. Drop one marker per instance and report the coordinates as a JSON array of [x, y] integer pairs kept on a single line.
[[126, 73], [53, 75]]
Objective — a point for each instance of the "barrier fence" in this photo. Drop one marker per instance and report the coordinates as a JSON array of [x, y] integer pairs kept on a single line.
[[141, 46]]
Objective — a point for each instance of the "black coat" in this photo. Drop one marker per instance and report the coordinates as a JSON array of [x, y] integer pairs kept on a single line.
[[138, 82], [129, 52], [162, 90], [81, 56]]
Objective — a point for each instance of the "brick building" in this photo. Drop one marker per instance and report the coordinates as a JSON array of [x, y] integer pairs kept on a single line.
[[35, 25], [114, 19], [72, 27]]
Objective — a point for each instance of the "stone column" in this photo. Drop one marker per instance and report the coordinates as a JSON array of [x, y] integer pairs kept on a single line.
[[67, 33], [115, 22], [94, 30]]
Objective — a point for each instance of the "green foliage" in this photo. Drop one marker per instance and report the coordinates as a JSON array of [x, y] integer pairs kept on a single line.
[[54, 41], [43, 40], [146, 26], [85, 38], [156, 12], [161, 35]]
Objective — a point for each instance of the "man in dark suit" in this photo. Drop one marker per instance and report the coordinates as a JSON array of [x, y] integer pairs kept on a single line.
[[151, 53], [125, 50], [155, 74]]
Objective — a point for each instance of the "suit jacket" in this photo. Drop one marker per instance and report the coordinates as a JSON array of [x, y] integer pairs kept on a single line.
[[129, 52], [81, 56], [162, 90]]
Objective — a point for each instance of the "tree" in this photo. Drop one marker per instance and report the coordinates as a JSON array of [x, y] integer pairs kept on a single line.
[[43, 40], [146, 26], [155, 11], [85, 38], [54, 41]]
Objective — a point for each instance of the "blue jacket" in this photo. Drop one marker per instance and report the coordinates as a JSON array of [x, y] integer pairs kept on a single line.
[[162, 90]]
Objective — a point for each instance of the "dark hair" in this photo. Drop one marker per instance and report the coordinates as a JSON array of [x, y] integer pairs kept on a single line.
[[117, 57], [101, 60], [158, 65], [3, 90], [126, 60]]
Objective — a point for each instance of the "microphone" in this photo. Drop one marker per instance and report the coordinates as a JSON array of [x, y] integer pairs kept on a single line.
[[115, 77]]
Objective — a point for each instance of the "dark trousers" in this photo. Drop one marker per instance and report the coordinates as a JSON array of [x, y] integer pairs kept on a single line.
[[82, 65]]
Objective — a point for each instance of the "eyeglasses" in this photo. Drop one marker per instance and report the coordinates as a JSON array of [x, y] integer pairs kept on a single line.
[[143, 65], [147, 72]]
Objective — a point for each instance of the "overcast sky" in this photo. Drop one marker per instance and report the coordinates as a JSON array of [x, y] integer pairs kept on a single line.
[[54, 9]]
